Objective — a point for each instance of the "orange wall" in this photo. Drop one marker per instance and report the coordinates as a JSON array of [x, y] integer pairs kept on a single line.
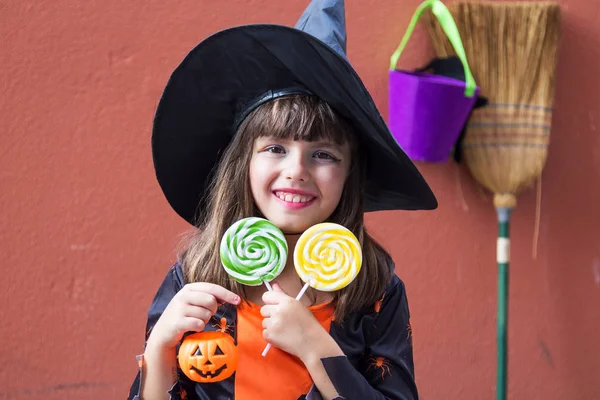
[[86, 235]]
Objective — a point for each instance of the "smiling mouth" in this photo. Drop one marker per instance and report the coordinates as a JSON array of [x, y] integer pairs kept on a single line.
[[293, 198], [209, 374]]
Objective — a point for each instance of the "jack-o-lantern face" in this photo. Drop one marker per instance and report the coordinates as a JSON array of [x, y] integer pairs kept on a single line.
[[208, 356]]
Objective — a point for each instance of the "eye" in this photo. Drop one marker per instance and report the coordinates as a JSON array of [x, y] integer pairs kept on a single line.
[[275, 150], [322, 155]]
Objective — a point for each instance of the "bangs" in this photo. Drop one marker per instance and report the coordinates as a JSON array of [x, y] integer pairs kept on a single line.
[[299, 117]]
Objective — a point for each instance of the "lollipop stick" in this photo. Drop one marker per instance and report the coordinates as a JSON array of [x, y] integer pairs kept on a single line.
[[298, 297], [266, 350], [302, 291]]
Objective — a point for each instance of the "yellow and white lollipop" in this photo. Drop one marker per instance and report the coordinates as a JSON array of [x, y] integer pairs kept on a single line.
[[327, 257]]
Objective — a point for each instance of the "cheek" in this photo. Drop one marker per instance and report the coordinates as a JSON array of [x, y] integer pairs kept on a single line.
[[254, 176], [332, 183], [338, 178], [262, 172], [259, 182]]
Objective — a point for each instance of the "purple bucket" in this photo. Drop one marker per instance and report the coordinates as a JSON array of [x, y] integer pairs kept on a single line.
[[427, 113]]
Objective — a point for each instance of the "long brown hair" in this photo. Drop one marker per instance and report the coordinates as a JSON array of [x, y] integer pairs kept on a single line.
[[300, 117]]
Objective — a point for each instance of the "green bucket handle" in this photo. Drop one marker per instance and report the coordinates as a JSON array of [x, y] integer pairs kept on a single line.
[[447, 23]]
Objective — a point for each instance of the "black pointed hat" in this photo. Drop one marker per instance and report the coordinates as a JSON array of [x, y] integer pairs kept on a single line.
[[213, 89]]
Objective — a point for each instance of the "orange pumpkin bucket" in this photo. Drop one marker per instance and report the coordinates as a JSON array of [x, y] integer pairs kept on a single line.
[[208, 357]]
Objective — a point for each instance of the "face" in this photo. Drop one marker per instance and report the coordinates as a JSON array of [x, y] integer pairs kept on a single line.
[[297, 184]]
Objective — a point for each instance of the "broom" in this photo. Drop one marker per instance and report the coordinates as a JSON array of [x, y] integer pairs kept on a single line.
[[512, 49]]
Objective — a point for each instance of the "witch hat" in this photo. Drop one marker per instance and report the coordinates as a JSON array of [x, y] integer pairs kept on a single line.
[[233, 71]]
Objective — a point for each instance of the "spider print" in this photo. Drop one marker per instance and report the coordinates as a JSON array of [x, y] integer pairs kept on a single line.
[[378, 304], [222, 326], [381, 363], [182, 393], [409, 329]]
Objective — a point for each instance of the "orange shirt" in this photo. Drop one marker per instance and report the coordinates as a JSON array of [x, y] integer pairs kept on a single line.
[[256, 374]]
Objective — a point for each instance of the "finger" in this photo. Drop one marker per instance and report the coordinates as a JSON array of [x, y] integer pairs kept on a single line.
[[188, 324], [198, 312], [219, 292], [267, 311], [277, 288], [266, 323], [201, 299], [274, 297]]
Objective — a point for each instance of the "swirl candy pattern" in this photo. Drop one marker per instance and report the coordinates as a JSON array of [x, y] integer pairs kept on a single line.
[[253, 251], [328, 257]]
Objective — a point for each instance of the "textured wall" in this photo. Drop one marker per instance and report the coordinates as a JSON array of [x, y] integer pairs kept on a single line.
[[86, 236]]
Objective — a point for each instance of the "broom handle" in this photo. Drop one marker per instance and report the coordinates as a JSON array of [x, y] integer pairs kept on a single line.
[[449, 26], [503, 258]]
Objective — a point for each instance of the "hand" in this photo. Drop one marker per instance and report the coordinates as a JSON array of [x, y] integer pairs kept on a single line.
[[290, 326], [189, 310]]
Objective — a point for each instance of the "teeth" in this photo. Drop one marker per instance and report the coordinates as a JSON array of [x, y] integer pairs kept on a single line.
[[293, 198]]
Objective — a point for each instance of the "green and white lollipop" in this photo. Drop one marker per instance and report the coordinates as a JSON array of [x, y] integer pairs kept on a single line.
[[253, 251]]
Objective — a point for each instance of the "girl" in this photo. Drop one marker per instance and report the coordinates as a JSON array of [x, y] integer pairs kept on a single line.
[[273, 122]]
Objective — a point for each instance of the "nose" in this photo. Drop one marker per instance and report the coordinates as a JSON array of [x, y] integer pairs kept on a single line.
[[296, 168]]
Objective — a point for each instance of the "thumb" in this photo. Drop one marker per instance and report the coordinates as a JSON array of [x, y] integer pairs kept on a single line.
[[277, 288]]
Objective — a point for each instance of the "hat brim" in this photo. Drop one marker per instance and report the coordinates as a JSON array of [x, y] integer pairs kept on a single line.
[[196, 113]]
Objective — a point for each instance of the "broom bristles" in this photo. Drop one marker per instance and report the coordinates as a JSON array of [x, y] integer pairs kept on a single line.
[[511, 49]]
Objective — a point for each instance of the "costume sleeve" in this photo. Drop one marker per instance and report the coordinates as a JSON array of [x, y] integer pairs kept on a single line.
[[387, 370], [172, 283]]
